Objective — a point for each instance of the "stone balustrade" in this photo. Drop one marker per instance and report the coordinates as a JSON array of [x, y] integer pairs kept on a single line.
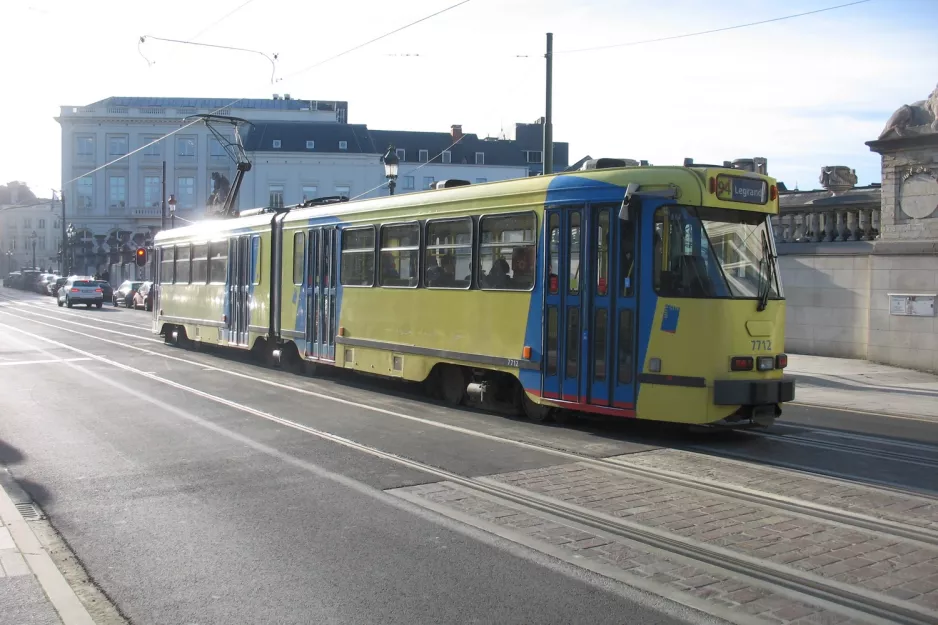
[[817, 224]]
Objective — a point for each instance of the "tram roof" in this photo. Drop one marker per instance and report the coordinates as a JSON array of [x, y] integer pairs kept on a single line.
[[690, 180]]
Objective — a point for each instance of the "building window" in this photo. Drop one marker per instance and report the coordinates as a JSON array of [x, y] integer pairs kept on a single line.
[[41, 243], [117, 145], [85, 192], [400, 255], [152, 144], [447, 157], [185, 192], [55, 224], [423, 156], [84, 147], [152, 191], [275, 195], [401, 154], [358, 257], [215, 148], [310, 193], [480, 158], [407, 182], [185, 146], [481, 180], [534, 156], [42, 224], [310, 145], [449, 254], [117, 191], [276, 144], [27, 222], [343, 190], [299, 247], [343, 145], [218, 262], [428, 181], [506, 252]]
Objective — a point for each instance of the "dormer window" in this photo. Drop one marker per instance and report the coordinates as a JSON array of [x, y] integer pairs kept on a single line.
[[423, 156], [310, 145], [343, 145], [276, 144]]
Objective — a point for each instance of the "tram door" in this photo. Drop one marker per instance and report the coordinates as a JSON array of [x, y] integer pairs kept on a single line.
[[321, 304], [590, 306], [240, 272]]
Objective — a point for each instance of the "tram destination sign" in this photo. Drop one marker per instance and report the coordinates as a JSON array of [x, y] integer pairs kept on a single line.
[[739, 189]]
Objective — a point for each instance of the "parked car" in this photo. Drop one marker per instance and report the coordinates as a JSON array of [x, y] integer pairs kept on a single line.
[[42, 287], [125, 293], [10, 280], [81, 291], [30, 279], [143, 298], [106, 289], [55, 286]]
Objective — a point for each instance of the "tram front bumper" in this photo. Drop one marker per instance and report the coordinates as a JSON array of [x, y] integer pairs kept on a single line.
[[753, 392]]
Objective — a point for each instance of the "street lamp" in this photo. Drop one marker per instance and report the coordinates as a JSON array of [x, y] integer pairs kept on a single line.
[[172, 211], [390, 167], [33, 238]]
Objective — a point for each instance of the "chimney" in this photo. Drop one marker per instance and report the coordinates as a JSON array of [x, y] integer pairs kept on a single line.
[[456, 131]]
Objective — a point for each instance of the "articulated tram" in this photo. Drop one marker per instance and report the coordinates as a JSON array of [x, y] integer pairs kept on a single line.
[[640, 292]]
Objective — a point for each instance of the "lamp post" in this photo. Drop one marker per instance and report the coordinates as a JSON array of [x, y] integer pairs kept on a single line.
[[390, 167], [33, 238], [172, 211]]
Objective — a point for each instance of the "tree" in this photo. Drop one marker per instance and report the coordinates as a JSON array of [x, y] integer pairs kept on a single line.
[[16, 192]]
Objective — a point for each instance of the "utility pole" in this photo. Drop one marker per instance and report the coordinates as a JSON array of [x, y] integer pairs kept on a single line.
[[163, 200], [64, 266], [548, 153]]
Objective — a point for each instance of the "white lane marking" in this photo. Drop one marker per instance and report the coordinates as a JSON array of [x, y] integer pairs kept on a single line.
[[40, 362]]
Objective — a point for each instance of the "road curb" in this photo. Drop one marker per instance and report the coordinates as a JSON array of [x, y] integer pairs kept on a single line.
[[66, 603]]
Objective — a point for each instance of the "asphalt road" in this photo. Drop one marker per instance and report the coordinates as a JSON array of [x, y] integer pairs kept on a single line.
[[200, 488]]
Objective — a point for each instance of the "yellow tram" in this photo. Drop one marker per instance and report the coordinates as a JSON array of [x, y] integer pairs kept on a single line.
[[640, 292]]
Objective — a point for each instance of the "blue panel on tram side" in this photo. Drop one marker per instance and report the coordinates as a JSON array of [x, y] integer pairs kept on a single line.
[[647, 297], [572, 188]]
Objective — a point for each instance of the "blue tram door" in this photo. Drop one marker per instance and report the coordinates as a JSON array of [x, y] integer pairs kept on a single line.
[[590, 306]]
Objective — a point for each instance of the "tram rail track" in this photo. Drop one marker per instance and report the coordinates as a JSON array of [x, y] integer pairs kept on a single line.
[[807, 509], [807, 585]]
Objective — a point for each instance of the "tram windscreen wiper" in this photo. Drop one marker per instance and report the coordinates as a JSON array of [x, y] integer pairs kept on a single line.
[[769, 260]]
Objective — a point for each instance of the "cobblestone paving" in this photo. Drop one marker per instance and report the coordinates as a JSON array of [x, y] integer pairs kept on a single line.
[[743, 599], [883, 504], [895, 567]]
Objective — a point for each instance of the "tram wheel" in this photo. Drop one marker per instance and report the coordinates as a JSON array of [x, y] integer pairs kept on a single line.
[[453, 384], [538, 413]]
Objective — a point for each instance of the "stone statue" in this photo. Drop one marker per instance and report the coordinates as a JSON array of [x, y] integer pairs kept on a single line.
[[222, 187], [838, 178], [913, 119]]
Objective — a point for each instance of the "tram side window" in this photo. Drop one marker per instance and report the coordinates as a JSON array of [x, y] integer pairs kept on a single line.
[[400, 255], [217, 262], [167, 262], [449, 254], [573, 258], [199, 263], [553, 254], [358, 257], [299, 247], [256, 255], [506, 252], [182, 264]]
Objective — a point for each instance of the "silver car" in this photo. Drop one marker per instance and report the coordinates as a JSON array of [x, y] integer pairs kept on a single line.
[[81, 290]]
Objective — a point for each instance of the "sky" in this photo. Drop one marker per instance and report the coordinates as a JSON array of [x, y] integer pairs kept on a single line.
[[804, 93]]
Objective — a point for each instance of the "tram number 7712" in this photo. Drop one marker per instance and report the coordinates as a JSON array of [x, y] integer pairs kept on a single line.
[[762, 346]]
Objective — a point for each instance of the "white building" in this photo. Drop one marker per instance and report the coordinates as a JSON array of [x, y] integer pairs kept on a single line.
[[117, 208], [299, 149], [24, 225]]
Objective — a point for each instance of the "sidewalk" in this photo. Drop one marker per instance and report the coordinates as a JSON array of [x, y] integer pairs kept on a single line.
[[866, 386], [32, 590]]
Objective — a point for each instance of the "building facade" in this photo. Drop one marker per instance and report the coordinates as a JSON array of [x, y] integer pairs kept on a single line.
[[23, 226], [112, 162], [116, 208]]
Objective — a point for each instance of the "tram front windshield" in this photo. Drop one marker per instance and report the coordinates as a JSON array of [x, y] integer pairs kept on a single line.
[[714, 253]]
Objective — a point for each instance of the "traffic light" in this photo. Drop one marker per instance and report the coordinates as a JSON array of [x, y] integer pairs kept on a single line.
[[141, 258]]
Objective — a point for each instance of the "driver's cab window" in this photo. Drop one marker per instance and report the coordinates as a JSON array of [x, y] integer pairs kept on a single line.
[[682, 256]]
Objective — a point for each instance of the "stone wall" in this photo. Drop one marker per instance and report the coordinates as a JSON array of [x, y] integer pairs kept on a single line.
[[896, 224], [838, 301]]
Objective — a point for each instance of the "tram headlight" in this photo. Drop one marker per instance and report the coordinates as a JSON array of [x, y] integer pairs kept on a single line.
[[765, 363]]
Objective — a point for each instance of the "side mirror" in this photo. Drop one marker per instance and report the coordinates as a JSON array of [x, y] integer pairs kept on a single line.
[[630, 202]]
